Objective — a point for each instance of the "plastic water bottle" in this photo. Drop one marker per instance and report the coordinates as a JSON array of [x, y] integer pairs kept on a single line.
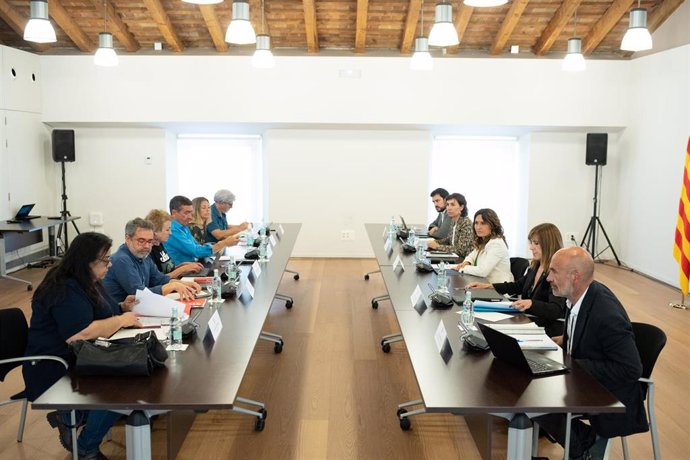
[[441, 279], [467, 316], [263, 249], [216, 286], [250, 238], [262, 231], [175, 328], [392, 228], [411, 237], [233, 275]]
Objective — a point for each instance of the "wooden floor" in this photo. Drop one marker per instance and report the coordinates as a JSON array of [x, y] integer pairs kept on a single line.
[[332, 393]]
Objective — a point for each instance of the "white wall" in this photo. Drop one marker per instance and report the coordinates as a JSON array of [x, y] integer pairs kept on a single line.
[[653, 154], [339, 180], [218, 89], [110, 176]]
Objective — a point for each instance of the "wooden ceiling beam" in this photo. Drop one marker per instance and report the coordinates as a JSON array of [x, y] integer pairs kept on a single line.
[[462, 20], [509, 23], [208, 12], [117, 27], [661, 14], [361, 28], [553, 30], [310, 26], [160, 17], [17, 21], [414, 8], [604, 25], [255, 18], [67, 24]]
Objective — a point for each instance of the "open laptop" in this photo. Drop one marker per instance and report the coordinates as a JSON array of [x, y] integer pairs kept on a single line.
[[209, 266], [23, 213], [418, 232], [507, 348]]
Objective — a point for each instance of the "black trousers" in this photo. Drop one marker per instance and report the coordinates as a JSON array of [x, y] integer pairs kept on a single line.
[[582, 436]]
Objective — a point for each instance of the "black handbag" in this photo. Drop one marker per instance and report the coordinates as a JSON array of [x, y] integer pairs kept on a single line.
[[136, 356]]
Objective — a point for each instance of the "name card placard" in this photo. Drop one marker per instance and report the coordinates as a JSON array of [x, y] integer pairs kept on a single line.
[[256, 269], [398, 262], [215, 325]]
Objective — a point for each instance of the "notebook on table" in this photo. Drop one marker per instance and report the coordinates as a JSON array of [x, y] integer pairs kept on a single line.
[[507, 348]]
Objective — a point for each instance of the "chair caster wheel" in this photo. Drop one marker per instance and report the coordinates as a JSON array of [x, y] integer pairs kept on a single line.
[[296, 277], [29, 288], [374, 304], [366, 277], [278, 347], [288, 304], [386, 347], [405, 423]]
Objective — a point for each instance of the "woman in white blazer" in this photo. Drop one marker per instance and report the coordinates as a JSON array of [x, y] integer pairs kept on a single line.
[[490, 258]]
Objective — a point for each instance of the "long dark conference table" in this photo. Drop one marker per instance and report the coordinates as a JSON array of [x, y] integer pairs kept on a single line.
[[476, 385], [205, 376]]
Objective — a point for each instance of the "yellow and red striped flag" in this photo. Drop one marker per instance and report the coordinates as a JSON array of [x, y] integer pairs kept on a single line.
[[681, 250]]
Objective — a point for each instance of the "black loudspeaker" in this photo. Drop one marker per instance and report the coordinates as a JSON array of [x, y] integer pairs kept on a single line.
[[597, 144], [63, 145]]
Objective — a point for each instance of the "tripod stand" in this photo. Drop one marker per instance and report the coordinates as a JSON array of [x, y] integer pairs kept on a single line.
[[591, 233], [64, 215]]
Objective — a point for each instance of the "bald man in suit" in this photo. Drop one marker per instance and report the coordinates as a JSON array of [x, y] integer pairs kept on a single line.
[[599, 337]]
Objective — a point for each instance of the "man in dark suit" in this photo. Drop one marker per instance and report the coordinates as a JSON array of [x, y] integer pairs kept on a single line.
[[599, 337]]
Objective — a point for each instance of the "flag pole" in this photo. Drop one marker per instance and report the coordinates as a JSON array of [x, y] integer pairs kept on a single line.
[[681, 305]]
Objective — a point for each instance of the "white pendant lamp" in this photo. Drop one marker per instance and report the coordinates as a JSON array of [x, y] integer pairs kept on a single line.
[[574, 61], [443, 32], [203, 2], [421, 58], [240, 30], [485, 3], [637, 37], [263, 58], [105, 54], [39, 29]]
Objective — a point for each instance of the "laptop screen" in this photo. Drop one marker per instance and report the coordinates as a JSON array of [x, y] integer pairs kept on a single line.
[[24, 210]]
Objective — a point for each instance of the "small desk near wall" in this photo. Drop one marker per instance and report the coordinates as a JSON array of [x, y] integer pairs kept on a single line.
[[206, 376], [475, 385], [12, 230]]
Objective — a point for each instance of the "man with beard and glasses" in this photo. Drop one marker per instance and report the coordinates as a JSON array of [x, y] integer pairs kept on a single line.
[[133, 269], [440, 227]]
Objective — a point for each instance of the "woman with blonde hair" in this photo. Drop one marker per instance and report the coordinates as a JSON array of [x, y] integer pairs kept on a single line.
[[535, 290], [202, 216], [161, 232]]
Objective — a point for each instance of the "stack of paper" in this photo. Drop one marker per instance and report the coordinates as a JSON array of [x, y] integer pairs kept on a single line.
[[151, 304], [529, 336], [482, 305]]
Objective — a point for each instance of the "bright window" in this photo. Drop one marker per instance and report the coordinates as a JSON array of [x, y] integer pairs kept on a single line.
[[206, 164], [489, 172]]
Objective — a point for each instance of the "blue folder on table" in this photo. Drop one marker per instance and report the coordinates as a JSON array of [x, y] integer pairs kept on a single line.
[[502, 307]]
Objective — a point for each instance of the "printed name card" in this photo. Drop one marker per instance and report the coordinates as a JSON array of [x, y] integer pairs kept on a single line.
[[416, 294], [440, 336], [215, 325], [269, 251], [272, 239], [398, 262], [256, 269], [250, 288], [388, 246], [281, 229]]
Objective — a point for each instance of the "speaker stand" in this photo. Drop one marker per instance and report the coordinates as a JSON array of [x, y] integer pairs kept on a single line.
[[64, 214], [594, 224]]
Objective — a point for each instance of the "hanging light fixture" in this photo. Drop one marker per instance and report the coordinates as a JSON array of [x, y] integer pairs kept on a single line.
[[39, 29], [105, 54], [421, 58], [203, 2], [574, 61], [485, 3], [637, 37], [443, 32], [240, 30], [263, 58]]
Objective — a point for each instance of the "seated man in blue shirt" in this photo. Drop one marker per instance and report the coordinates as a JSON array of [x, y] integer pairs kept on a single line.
[[133, 269], [181, 246], [219, 228]]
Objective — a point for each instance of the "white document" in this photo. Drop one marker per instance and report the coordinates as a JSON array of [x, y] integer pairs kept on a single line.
[[398, 261], [151, 304], [523, 328], [440, 336], [215, 325], [416, 294], [490, 316], [256, 269], [272, 239], [535, 342], [250, 288]]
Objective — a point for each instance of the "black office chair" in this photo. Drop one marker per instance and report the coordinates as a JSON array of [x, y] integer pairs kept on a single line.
[[518, 267], [14, 333], [650, 340]]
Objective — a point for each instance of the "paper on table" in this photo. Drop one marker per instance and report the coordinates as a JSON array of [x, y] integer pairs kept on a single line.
[[151, 304], [490, 316], [535, 342], [524, 328]]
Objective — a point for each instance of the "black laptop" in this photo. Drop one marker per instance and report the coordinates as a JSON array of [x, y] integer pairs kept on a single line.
[[418, 232], [23, 213], [209, 266], [507, 348]]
